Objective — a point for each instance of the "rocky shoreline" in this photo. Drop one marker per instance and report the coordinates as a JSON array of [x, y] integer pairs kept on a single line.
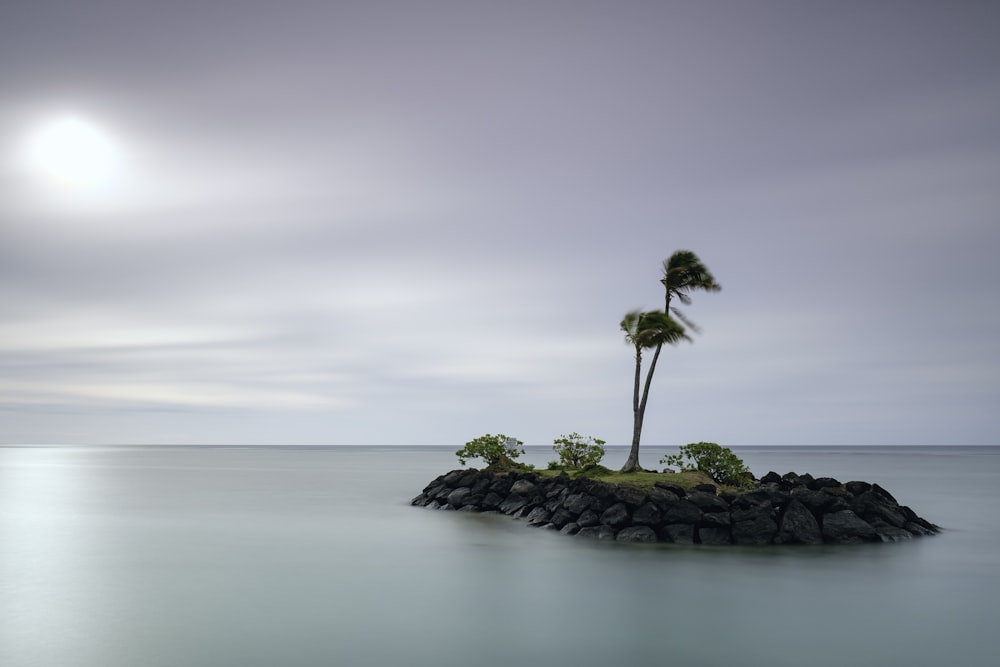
[[781, 509]]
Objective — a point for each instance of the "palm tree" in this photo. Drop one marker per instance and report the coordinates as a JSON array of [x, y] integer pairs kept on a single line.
[[646, 330], [682, 274]]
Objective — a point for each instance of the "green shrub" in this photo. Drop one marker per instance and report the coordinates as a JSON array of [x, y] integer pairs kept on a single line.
[[497, 450], [719, 463], [576, 451]]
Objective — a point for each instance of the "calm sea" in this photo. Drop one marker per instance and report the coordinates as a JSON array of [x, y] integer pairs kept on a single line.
[[244, 556]]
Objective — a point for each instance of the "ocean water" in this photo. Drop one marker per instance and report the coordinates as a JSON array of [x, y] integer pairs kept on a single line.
[[159, 556]]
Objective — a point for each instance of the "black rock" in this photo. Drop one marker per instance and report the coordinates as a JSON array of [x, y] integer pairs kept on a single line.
[[672, 488], [561, 517], [601, 532], [577, 502], [647, 514], [457, 497], [798, 526], [636, 534], [539, 516], [707, 502], [715, 535], [678, 533], [846, 527], [512, 504], [616, 516], [771, 478], [824, 483], [630, 495], [759, 529], [570, 529], [857, 488], [683, 511]]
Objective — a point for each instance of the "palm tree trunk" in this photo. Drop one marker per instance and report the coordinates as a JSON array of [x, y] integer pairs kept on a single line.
[[639, 412], [632, 463]]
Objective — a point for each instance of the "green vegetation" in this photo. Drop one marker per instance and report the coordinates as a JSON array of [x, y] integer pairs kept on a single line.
[[576, 451], [720, 463], [499, 451], [683, 273], [643, 479]]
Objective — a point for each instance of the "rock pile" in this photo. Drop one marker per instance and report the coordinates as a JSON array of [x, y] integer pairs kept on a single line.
[[782, 509]]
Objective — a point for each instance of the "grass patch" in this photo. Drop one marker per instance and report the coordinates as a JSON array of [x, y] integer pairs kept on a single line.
[[643, 480]]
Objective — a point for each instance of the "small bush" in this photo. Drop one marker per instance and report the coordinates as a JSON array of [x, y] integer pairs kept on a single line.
[[719, 463], [497, 450], [576, 451]]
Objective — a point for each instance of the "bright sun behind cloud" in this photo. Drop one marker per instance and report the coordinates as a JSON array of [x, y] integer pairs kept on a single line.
[[73, 153]]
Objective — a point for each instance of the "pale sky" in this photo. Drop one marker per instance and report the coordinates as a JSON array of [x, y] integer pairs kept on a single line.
[[417, 222]]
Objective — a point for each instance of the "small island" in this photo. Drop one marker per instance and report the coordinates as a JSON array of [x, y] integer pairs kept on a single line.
[[686, 508]]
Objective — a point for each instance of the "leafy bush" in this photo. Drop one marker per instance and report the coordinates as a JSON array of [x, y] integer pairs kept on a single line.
[[719, 463], [576, 451], [496, 450]]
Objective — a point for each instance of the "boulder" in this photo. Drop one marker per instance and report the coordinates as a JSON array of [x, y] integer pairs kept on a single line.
[[846, 527], [576, 503], [824, 483], [630, 495], [678, 533], [616, 516], [707, 502], [758, 529], [512, 504], [889, 533], [857, 488], [561, 517], [647, 514], [491, 501], [683, 511], [539, 516], [457, 497], [678, 491], [771, 478], [601, 532], [715, 535], [798, 526], [570, 529], [871, 505], [636, 534], [522, 487]]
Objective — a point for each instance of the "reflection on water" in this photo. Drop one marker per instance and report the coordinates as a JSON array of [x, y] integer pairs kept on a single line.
[[264, 556]]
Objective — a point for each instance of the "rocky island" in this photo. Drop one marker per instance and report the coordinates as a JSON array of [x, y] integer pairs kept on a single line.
[[777, 509]]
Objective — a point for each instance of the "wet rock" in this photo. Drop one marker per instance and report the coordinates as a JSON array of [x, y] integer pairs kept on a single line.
[[715, 535], [636, 534], [600, 532], [758, 529], [846, 527], [616, 516], [683, 511], [678, 533], [798, 526], [647, 514]]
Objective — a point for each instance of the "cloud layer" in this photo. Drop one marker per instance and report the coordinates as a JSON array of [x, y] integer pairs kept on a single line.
[[413, 223]]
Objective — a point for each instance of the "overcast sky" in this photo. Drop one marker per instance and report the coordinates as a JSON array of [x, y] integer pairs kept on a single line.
[[417, 222]]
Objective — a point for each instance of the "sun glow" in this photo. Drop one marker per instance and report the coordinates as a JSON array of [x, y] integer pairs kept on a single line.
[[73, 153]]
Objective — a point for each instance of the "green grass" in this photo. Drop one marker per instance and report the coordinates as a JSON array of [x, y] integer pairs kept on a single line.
[[643, 480]]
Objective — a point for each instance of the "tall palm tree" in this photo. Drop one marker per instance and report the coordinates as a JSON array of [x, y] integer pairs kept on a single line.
[[646, 330], [682, 274]]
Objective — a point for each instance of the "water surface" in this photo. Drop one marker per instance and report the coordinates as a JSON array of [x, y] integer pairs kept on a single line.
[[123, 556]]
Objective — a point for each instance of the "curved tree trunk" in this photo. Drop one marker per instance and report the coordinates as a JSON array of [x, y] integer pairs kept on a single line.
[[639, 409]]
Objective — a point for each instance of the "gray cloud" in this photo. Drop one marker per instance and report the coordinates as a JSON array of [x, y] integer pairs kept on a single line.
[[411, 223]]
